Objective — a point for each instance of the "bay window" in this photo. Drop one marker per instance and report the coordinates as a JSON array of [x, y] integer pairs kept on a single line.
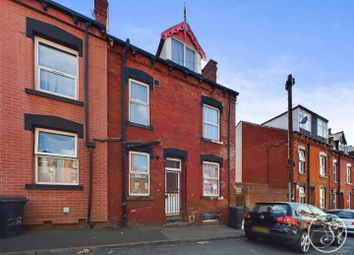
[[56, 157], [139, 174], [139, 108], [211, 123], [211, 179], [56, 69]]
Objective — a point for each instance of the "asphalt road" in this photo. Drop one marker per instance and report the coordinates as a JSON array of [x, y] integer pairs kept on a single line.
[[226, 247]]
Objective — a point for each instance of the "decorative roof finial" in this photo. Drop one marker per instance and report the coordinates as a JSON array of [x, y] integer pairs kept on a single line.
[[185, 21]]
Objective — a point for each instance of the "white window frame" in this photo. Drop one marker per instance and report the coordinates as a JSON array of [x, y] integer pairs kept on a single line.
[[136, 101], [302, 163], [349, 200], [38, 67], [172, 168], [307, 125], [322, 197], [185, 46], [349, 173], [134, 172], [211, 178], [302, 194], [323, 155], [335, 169], [212, 124], [334, 199], [324, 128], [53, 155]]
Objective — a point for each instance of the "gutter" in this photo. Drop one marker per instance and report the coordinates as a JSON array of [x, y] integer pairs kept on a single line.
[[89, 144], [124, 133]]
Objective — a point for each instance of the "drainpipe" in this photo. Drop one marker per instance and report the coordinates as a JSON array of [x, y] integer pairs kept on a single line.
[[339, 176], [124, 135], [89, 144], [228, 151], [308, 174]]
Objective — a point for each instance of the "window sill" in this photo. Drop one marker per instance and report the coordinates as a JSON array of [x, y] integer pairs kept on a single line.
[[212, 198], [53, 187], [211, 141], [140, 198], [323, 176], [129, 123], [55, 97], [303, 174]]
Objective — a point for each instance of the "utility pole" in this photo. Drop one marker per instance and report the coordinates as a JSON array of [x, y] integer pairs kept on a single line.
[[289, 87]]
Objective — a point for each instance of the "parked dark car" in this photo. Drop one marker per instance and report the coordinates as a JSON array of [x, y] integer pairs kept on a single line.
[[347, 216], [287, 223]]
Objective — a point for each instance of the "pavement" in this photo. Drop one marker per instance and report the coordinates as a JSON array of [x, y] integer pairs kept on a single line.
[[84, 241], [220, 247]]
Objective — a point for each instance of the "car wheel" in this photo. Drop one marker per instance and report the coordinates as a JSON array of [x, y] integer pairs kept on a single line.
[[303, 243], [339, 239]]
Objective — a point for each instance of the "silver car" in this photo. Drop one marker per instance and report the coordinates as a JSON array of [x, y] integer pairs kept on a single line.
[[347, 216]]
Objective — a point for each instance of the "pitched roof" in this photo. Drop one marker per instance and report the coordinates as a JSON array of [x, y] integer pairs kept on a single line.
[[338, 136], [181, 27]]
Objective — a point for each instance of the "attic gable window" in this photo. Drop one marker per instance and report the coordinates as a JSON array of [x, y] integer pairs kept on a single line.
[[183, 55]]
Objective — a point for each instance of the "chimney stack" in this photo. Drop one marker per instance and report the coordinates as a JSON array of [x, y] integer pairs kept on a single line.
[[210, 69], [101, 12]]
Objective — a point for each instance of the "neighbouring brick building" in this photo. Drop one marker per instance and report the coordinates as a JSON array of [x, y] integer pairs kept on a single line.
[[97, 130], [322, 172]]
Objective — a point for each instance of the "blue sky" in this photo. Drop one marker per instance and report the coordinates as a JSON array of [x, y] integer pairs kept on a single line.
[[257, 43]]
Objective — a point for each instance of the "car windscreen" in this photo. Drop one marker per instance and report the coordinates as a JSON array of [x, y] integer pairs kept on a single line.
[[275, 210], [345, 215]]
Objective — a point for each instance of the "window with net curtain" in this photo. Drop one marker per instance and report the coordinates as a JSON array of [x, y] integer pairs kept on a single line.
[[56, 69], [211, 179], [211, 123], [56, 157], [190, 59], [138, 102], [177, 52], [139, 174]]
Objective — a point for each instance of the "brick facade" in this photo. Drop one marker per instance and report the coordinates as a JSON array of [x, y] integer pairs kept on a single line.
[[175, 112], [264, 162], [176, 117], [17, 157]]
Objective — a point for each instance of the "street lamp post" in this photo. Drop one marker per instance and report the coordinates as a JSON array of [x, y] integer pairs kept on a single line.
[[288, 86]]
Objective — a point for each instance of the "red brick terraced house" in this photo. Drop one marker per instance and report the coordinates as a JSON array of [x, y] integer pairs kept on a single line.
[[322, 172], [96, 130]]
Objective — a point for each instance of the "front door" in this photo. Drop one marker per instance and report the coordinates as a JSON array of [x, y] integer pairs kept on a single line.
[[173, 187]]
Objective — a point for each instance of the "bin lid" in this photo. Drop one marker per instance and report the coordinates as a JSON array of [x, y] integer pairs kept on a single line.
[[12, 199]]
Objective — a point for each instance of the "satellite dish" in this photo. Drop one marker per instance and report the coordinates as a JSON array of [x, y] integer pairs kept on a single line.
[[304, 120]]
